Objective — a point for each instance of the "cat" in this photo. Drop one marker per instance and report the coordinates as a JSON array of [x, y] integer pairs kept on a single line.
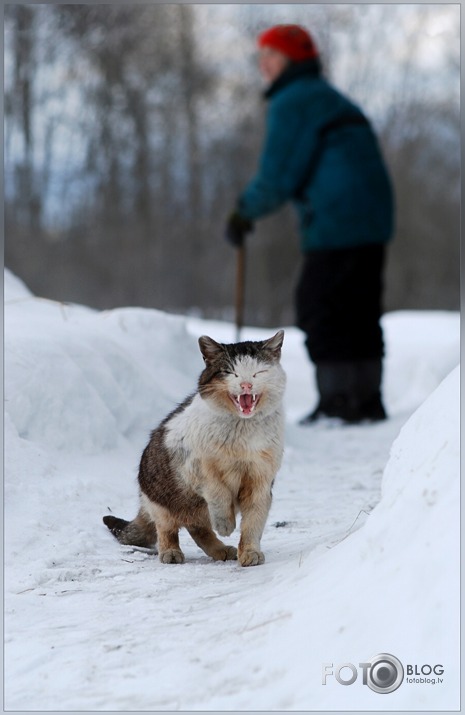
[[215, 455]]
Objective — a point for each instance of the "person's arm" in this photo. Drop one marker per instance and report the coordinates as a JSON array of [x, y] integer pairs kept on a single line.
[[291, 142]]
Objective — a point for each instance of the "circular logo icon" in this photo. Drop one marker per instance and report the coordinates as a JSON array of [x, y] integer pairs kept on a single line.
[[385, 674]]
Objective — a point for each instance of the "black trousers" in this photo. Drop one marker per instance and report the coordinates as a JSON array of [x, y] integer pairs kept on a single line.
[[339, 303]]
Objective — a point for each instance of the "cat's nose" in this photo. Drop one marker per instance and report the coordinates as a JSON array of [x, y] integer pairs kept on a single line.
[[246, 386]]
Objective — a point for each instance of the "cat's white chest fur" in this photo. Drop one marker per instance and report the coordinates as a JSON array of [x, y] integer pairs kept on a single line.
[[200, 430]]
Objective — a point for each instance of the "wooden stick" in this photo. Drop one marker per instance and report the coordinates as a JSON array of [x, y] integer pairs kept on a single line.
[[240, 290]]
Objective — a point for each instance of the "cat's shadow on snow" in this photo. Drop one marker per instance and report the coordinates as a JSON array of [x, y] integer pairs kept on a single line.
[[190, 558]]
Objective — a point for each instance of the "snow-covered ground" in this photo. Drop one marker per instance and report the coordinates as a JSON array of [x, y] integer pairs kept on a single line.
[[361, 544]]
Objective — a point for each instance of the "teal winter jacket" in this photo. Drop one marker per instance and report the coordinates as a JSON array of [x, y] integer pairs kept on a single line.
[[321, 153]]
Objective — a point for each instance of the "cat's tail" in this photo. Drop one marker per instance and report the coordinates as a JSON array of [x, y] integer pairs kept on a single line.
[[139, 532]]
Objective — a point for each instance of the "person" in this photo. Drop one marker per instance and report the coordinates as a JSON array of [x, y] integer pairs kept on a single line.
[[320, 152]]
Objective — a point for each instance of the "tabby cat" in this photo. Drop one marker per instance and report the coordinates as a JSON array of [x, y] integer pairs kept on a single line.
[[215, 455]]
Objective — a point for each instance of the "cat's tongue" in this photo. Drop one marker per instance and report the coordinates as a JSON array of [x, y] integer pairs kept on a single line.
[[246, 402]]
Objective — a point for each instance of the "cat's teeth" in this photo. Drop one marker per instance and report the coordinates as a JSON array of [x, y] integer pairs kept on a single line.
[[250, 403]]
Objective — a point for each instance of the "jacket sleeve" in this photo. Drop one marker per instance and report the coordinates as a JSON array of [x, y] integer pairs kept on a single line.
[[291, 143]]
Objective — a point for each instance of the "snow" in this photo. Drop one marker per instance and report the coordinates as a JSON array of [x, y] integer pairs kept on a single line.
[[361, 545]]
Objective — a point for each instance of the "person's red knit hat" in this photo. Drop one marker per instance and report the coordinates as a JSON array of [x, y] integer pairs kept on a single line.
[[292, 40]]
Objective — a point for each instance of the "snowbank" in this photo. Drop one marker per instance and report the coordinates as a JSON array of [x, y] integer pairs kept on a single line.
[[72, 372], [394, 585], [83, 390]]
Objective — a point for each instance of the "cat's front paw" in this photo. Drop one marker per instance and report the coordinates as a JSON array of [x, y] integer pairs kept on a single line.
[[171, 556], [223, 525], [251, 557]]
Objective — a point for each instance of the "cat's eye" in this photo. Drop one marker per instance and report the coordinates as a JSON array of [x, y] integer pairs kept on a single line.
[[260, 372]]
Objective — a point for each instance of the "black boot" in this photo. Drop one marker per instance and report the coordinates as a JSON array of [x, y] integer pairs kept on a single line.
[[368, 390], [350, 391]]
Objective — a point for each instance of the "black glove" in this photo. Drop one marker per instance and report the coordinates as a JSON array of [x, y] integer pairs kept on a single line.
[[236, 229]]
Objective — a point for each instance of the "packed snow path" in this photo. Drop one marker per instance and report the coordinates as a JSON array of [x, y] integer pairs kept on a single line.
[[92, 625]]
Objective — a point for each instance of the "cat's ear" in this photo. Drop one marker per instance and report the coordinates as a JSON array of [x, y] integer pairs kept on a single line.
[[275, 344], [209, 348]]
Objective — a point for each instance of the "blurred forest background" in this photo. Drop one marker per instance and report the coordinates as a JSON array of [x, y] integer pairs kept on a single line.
[[130, 129]]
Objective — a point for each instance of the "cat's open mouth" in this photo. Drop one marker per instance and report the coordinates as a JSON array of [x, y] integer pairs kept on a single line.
[[246, 404]]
